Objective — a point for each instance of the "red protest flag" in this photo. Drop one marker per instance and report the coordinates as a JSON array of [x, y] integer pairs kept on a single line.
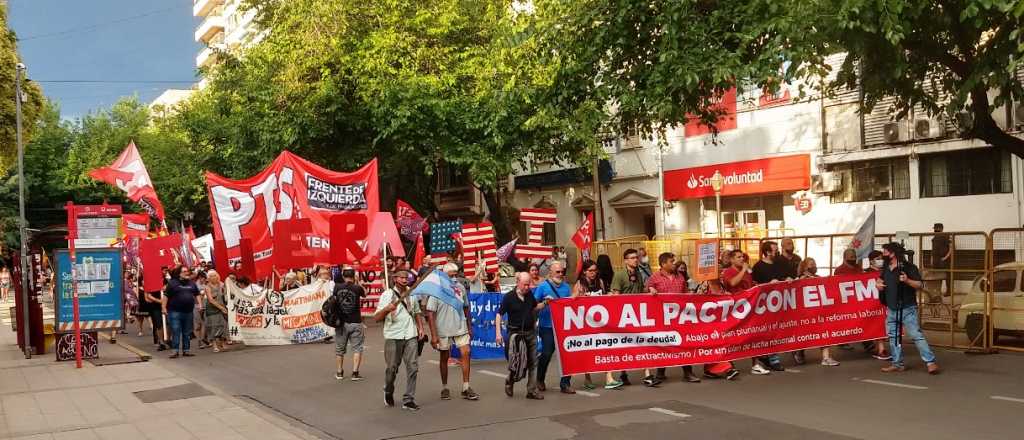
[[411, 223], [582, 239], [129, 173], [135, 225], [421, 253]]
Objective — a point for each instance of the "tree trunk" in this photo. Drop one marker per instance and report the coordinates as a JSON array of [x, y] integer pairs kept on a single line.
[[503, 229], [986, 129]]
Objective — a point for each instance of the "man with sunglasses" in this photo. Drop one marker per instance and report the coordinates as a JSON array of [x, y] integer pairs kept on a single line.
[[630, 280], [553, 288]]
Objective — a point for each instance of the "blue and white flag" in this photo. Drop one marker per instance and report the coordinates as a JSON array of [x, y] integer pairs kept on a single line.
[[864, 241], [438, 285]]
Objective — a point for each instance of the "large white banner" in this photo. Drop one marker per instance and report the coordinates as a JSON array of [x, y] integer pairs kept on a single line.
[[268, 317]]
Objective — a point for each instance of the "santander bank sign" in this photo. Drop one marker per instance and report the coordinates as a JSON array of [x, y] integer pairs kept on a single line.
[[773, 174]]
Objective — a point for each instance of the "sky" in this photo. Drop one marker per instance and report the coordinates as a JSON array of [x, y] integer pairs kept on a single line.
[[127, 41]]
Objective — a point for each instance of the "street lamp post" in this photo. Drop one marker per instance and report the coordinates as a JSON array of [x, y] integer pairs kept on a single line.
[[19, 72], [717, 180]]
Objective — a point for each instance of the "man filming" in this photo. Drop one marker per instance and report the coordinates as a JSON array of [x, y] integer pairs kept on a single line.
[[898, 286]]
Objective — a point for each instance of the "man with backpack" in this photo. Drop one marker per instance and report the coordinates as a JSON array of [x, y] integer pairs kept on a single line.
[[403, 325], [347, 296]]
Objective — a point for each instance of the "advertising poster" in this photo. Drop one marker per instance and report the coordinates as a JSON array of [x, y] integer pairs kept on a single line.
[[99, 280]]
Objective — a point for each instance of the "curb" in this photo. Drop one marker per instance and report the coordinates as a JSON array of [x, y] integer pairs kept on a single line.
[[142, 354]]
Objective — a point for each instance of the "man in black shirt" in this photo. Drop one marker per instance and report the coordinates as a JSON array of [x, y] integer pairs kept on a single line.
[[790, 257], [521, 308], [942, 249], [899, 281], [350, 297], [770, 268]]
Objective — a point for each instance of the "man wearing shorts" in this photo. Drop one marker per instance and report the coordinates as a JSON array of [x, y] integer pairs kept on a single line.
[[449, 327], [351, 332]]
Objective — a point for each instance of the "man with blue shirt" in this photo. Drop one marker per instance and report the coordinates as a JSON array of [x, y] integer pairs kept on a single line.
[[550, 289]]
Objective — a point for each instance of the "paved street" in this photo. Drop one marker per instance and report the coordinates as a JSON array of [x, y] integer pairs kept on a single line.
[[978, 396]]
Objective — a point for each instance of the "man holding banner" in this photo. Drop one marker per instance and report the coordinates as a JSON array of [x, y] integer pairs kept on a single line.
[[551, 289]]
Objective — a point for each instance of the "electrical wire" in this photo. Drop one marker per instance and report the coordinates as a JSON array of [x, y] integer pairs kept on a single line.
[[97, 25]]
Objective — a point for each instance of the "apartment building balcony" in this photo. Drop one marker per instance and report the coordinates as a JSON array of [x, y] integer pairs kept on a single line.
[[455, 196], [206, 57], [202, 8], [240, 31], [211, 27]]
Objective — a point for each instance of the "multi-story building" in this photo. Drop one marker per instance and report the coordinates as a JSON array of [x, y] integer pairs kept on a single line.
[[225, 26], [813, 166]]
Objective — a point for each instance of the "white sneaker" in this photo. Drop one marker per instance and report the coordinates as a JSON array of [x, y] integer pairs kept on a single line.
[[829, 362], [759, 370]]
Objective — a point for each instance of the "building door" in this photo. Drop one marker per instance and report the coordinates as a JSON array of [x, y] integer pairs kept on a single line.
[[752, 222]]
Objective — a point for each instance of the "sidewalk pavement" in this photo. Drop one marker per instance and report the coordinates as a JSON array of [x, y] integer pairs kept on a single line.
[[41, 399]]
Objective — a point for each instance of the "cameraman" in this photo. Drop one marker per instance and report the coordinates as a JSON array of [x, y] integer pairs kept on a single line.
[[898, 286]]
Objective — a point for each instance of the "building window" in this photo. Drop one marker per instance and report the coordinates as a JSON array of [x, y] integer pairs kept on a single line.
[[451, 177], [884, 179], [963, 173]]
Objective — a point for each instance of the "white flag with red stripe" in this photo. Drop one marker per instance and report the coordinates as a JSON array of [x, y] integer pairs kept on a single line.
[[537, 218], [479, 248]]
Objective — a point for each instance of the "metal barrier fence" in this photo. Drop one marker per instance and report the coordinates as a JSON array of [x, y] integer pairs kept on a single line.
[[1005, 287], [956, 300]]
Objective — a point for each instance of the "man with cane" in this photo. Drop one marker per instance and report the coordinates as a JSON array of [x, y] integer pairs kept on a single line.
[[898, 286]]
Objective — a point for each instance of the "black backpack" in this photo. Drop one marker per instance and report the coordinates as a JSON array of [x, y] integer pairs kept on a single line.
[[330, 312]]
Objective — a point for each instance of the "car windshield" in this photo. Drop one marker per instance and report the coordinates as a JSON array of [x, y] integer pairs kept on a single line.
[[1004, 281]]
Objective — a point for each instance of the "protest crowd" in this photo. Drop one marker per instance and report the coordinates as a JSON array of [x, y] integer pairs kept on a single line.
[[427, 301], [192, 305]]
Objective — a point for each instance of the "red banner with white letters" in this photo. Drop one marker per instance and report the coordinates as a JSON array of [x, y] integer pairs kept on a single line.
[[291, 187], [628, 332], [760, 176]]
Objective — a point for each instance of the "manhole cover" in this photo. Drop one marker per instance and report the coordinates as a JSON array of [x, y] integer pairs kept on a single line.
[[177, 392]]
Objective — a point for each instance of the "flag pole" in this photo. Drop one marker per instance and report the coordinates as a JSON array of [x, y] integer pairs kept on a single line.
[[384, 262]]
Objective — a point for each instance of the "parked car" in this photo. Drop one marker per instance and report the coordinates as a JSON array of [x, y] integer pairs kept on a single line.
[[1007, 303]]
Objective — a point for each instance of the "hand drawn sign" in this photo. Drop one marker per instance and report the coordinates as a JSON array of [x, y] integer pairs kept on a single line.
[[66, 346]]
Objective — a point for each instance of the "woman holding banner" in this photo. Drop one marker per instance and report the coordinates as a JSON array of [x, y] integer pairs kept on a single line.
[[589, 283], [808, 268]]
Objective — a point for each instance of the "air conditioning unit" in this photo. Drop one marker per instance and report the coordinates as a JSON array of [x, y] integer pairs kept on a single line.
[[631, 142], [929, 128], [893, 132], [826, 183]]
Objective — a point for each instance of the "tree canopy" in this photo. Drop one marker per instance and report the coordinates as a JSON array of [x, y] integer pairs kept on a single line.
[[415, 84], [659, 63]]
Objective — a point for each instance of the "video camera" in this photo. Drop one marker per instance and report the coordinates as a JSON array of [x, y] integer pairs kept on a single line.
[[900, 251]]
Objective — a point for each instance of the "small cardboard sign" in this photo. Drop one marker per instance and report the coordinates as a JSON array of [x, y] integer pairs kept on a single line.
[[707, 260], [66, 346]]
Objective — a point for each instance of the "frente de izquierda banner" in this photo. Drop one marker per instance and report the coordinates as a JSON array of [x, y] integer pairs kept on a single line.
[[627, 332], [290, 188]]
